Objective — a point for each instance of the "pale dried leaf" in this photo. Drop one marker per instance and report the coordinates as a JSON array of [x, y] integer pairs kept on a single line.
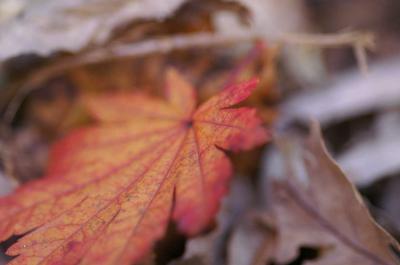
[[47, 26], [369, 160], [210, 248], [251, 243], [317, 206], [349, 95]]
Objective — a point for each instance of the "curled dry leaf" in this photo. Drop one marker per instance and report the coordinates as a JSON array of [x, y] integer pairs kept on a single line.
[[350, 95], [47, 26], [317, 206], [110, 189]]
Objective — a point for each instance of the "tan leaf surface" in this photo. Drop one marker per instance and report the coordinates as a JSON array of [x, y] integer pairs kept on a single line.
[[317, 206]]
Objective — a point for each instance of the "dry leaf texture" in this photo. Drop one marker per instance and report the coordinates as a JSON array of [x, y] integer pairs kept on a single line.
[[111, 189], [317, 206], [47, 26]]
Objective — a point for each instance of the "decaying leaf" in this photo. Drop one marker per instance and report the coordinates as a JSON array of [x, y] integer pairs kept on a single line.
[[369, 160], [317, 206], [251, 242], [110, 190], [349, 95], [212, 247], [48, 26]]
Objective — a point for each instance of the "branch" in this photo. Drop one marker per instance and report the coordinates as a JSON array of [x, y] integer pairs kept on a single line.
[[360, 41]]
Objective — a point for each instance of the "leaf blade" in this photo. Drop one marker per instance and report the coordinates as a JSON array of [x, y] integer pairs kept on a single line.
[[108, 193], [316, 205]]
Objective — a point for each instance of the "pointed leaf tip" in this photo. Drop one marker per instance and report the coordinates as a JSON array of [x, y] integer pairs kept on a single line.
[[110, 188]]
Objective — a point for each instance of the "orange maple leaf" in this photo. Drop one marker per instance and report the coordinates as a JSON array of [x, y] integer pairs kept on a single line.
[[111, 189]]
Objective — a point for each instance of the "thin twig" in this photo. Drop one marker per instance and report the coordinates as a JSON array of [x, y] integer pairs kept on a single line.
[[365, 39], [361, 57], [360, 41]]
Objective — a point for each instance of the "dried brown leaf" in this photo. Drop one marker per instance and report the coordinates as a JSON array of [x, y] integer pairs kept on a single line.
[[317, 206]]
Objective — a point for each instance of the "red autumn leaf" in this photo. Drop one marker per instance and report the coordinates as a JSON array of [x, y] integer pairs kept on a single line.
[[110, 190]]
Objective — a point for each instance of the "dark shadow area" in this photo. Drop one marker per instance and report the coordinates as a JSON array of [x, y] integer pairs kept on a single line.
[[305, 253]]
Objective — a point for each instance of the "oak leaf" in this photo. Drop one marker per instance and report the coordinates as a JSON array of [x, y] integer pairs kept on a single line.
[[110, 190], [317, 206]]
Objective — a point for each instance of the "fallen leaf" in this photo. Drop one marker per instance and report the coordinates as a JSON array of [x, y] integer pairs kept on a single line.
[[212, 247], [348, 95], [110, 189], [390, 207], [317, 206], [72, 25], [369, 160], [251, 242], [24, 153]]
